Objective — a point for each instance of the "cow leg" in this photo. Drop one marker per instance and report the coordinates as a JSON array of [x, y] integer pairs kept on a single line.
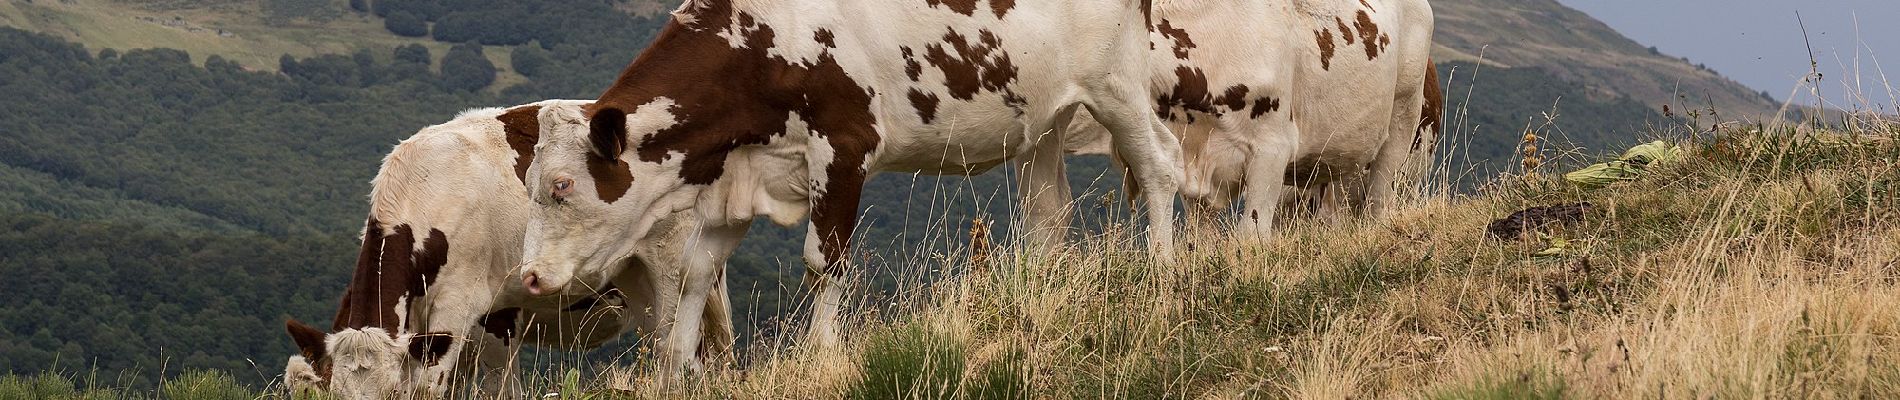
[[715, 346], [1265, 182], [456, 318], [1044, 186], [1399, 171], [1382, 185], [1153, 157], [834, 217], [704, 255], [824, 277]]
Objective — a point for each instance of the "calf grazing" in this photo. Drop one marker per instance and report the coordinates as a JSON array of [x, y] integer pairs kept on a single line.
[[744, 108], [434, 280], [1334, 96]]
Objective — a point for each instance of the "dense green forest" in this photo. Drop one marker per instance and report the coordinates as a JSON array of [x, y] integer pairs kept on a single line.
[[165, 215]]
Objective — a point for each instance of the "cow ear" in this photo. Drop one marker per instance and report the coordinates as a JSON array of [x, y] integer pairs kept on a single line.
[[430, 347], [608, 131], [309, 340]]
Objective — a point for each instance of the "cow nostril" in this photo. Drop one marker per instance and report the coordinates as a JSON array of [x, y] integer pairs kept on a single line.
[[532, 282]]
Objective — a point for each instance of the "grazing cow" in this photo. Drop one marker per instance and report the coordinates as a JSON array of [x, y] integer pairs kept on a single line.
[[436, 276], [744, 108], [1337, 97]]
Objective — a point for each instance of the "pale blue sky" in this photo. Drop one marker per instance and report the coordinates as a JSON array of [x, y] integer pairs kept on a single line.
[[1759, 43]]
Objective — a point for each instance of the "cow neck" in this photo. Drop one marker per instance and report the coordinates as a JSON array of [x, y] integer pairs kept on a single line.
[[725, 97], [389, 269]]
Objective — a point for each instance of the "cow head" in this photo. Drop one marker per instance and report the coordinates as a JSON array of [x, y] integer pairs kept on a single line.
[[367, 352], [594, 199], [309, 370], [366, 363]]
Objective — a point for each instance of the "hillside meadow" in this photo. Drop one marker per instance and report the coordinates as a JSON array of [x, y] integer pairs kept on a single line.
[[1762, 263], [140, 189]]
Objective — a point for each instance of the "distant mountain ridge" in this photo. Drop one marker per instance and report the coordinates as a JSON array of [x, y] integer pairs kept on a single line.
[[1576, 47]]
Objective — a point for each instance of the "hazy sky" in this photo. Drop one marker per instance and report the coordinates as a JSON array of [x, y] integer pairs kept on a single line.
[[1759, 43]]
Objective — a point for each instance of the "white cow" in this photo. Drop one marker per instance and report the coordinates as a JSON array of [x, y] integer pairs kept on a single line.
[[1335, 96], [436, 274], [745, 108]]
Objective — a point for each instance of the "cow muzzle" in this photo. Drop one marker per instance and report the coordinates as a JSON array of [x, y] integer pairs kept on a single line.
[[539, 282]]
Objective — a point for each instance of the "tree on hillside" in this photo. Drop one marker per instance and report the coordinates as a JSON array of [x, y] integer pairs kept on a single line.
[[413, 54], [404, 23], [528, 60], [464, 68]]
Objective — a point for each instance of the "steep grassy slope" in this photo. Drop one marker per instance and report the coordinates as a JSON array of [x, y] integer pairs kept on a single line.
[[1571, 45], [1759, 265]]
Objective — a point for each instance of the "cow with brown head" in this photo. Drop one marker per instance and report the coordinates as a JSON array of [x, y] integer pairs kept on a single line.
[[434, 281]]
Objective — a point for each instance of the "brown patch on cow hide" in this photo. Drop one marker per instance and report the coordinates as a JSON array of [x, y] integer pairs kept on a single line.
[[1345, 31], [1326, 48], [1369, 34], [975, 67], [1148, 14], [501, 324], [612, 177], [1264, 105], [1001, 7], [912, 68], [1368, 5], [1235, 98], [965, 7], [696, 68], [389, 269], [826, 37], [926, 105], [522, 127], [1431, 118], [1190, 92], [362, 297], [419, 266], [1182, 43], [431, 347], [429, 261]]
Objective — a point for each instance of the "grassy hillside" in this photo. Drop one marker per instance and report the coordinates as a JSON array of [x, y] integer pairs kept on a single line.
[[1572, 46], [212, 161], [1758, 265]]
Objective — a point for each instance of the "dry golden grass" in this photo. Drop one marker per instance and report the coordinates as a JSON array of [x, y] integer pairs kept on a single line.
[[1762, 265]]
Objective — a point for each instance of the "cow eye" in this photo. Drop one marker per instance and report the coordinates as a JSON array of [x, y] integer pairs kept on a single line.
[[563, 186]]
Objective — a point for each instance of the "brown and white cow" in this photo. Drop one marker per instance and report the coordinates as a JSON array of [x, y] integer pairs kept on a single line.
[[1337, 97], [436, 277], [782, 109]]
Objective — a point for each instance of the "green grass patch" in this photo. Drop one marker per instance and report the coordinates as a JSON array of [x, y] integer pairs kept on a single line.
[[191, 385], [1524, 385], [910, 362]]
